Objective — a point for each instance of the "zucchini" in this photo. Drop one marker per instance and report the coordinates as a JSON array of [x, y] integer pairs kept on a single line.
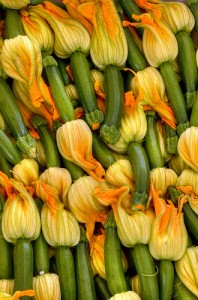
[[74, 170], [151, 142], [166, 279], [66, 272], [48, 141], [14, 120], [114, 104], [84, 274], [6, 258], [23, 266], [101, 287], [115, 275], [141, 169], [9, 149], [62, 64], [13, 24], [5, 166], [85, 88]]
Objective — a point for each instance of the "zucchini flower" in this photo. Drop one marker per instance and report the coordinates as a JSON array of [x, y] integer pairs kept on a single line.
[[120, 146], [113, 50], [188, 146], [96, 245], [70, 35], [20, 218], [133, 124], [134, 226], [74, 141], [26, 171], [84, 204], [188, 177], [177, 164], [169, 236], [130, 295], [186, 268], [59, 178], [121, 173], [159, 42], [14, 4], [162, 178], [47, 286], [17, 295], [7, 286], [2, 73], [54, 217], [149, 89], [40, 154], [38, 30], [22, 60]]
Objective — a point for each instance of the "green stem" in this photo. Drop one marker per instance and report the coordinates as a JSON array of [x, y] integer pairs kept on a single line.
[[151, 142], [62, 100], [171, 139], [84, 85], [13, 25], [141, 169], [175, 96], [48, 141], [166, 278], [187, 61]]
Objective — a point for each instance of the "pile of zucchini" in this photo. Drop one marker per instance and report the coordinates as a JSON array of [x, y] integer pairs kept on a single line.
[[98, 148]]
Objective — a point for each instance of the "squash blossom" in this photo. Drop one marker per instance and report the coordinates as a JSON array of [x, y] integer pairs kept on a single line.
[[22, 60], [74, 141], [186, 269], [7, 286], [113, 50], [121, 173], [162, 178], [190, 196], [134, 226], [168, 233], [14, 4], [96, 245], [188, 146], [59, 178], [70, 35], [47, 286], [149, 90], [130, 295], [54, 217], [177, 164], [17, 295], [38, 30], [188, 177], [159, 42], [26, 171], [20, 218]]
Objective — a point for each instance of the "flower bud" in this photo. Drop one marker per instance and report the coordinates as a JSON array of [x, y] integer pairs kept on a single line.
[[47, 287], [20, 218], [14, 4], [7, 286], [70, 35], [186, 268], [188, 147], [121, 173], [38, 30], [162, 178], [189, 177], [72, 92], [59, 178], [133, 125], [177, 164], [130, 295], [26, 171], [169, 236], [74, 141], [133, 226]]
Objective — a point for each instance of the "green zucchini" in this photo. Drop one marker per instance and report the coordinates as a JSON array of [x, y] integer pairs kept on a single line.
[[9, 149], [13, 24], [114, 104], [23, 266], [5, 166], [84, 274], [74, 170], [115, 275], [66, 272], [62, 64], [84, 85], [166, 279], [141, 169], [101, 286]]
